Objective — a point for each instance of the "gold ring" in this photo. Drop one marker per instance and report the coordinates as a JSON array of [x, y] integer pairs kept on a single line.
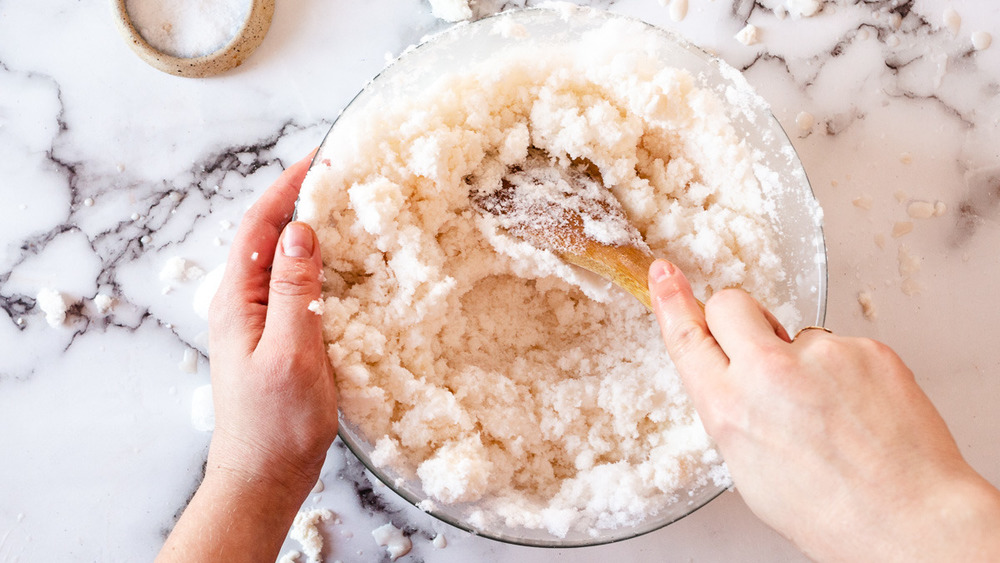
[[823, 328]]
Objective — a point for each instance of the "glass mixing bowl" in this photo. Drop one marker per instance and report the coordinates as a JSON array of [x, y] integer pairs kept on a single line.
[[796, 215]]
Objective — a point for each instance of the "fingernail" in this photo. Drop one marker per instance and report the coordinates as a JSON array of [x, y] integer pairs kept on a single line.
[[663, 270], [297, 241]]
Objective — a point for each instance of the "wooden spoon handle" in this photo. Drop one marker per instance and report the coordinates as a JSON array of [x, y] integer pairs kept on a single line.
[[625, 266]]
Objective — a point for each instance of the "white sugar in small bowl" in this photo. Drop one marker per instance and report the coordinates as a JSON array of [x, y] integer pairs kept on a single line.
[[230, 52], [796, 218]]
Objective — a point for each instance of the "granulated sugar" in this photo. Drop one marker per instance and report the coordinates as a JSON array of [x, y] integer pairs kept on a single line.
[[486, 370], [188, 28]]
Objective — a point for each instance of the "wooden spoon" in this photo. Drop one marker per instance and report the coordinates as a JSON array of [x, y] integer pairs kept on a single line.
[[568, 211]]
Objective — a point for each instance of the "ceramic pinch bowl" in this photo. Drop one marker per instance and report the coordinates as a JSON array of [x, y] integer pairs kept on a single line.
[[230, 55]]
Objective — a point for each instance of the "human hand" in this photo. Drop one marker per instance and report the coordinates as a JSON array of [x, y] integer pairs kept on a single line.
[[829, 440], [273, 387]]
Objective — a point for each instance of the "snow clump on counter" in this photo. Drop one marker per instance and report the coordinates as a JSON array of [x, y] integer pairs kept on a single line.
[[54, 304], [487, 371], [188, 28], [305, 531], [393, 540], [177, 269], [104, 303]]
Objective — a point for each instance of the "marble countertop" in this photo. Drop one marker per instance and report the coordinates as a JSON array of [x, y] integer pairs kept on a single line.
[[109, 167]]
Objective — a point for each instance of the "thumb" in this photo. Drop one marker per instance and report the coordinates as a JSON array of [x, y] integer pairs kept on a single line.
[[698, 358], [292, 317]]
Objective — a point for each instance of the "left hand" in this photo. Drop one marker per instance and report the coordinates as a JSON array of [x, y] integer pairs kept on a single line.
[[273, 386]]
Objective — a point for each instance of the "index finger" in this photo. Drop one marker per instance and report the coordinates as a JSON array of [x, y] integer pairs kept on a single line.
[[741, 325], [698, 358]]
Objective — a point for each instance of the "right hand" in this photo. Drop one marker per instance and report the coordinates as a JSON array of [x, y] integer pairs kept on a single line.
[[829, 440]]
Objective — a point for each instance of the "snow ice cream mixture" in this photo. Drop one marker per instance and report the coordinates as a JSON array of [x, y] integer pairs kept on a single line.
[[488, 371]]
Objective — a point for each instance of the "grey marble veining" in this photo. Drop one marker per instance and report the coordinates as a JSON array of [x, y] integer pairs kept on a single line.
[[108, 168]]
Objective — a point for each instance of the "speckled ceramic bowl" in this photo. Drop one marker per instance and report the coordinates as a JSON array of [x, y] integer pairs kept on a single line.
[[230, 55], [797, 220]]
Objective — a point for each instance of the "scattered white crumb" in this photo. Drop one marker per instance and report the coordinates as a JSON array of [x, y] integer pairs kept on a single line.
[[805, 121], [427, 505], [394, 541], [216, 188], [451, 10], [317, 306], [189, 361], [940, 208], [167, 289], [120, 167], [54, 304], [439, 541], [145, 239], [89, 202], [893, 41], [863, 202], [920, 209], [900, 228], [910, 287], [318, 487], [255, 256], [135, 216], [951, 20], [225, 225], [678, 10], [202, 409], [749, 35], [174, 197], [780, 12], [909, 264], [306, 532], [906, 158], [104, 303], [802, 8], [981, 40], [177, 269], [290, 557], [19, 321], [867, 305], [217, 241]]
